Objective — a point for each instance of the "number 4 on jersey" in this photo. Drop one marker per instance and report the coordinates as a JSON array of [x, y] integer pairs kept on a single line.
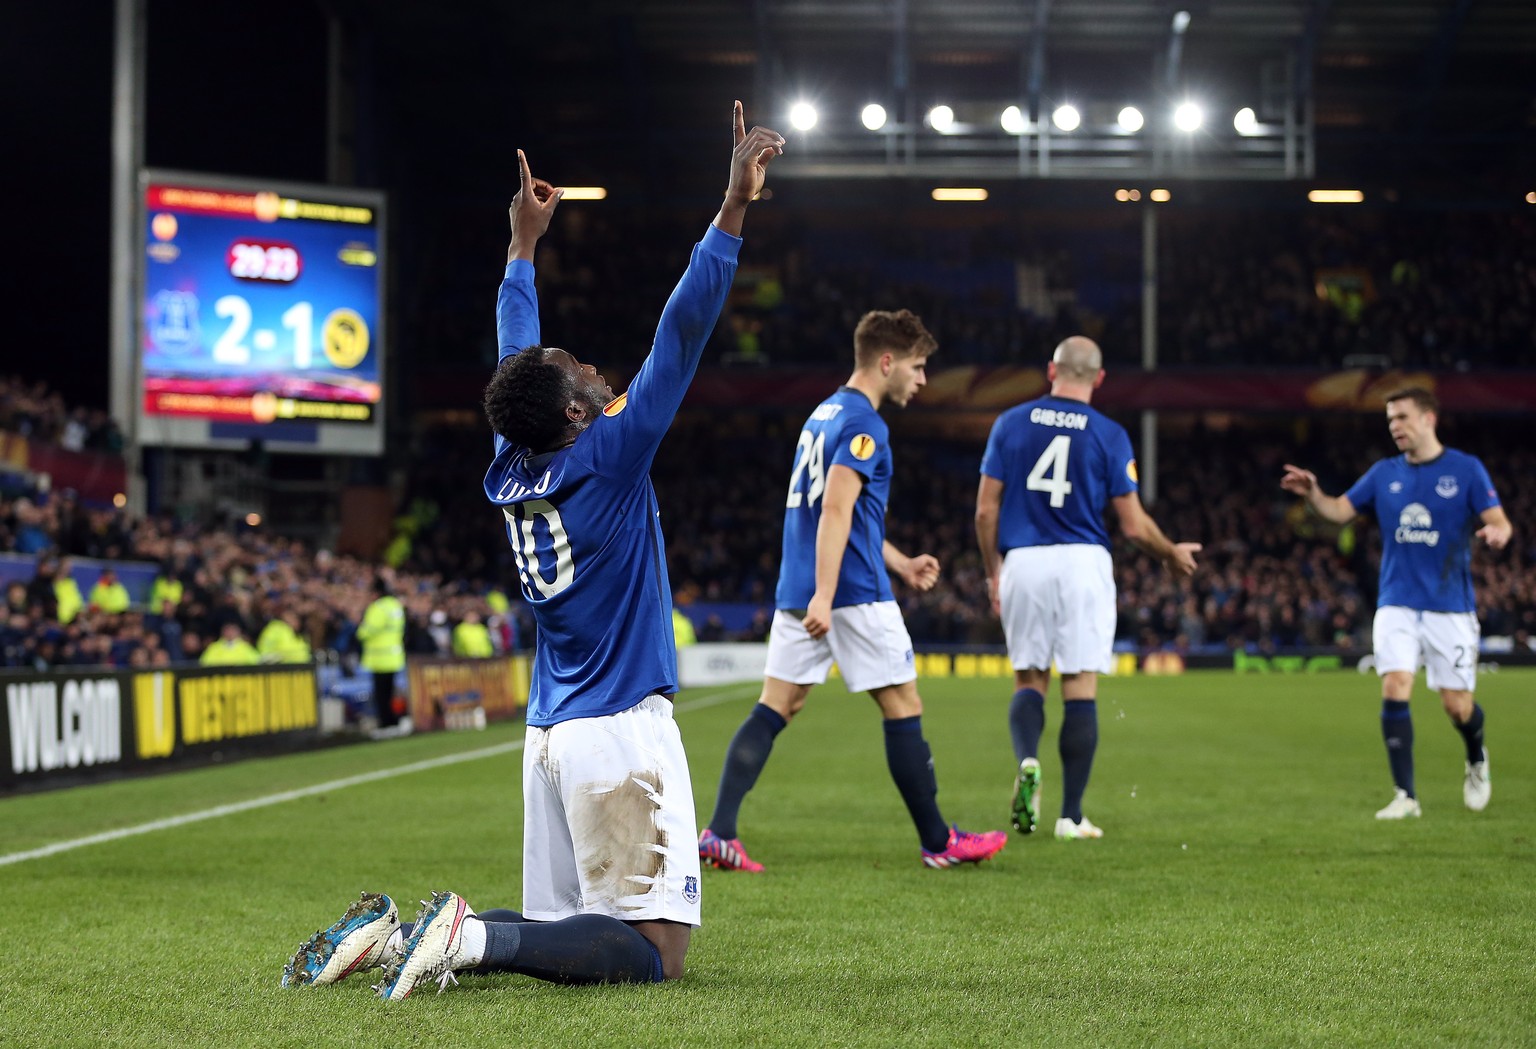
[[1050, 472]]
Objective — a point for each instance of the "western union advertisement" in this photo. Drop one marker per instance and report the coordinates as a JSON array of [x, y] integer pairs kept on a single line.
[[66, 727]]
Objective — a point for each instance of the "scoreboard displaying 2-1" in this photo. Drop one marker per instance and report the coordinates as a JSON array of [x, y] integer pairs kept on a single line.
[[261, 315]]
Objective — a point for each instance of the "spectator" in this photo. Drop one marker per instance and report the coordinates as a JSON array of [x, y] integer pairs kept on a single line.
[[231, 649], [109, 594], [471, 639]]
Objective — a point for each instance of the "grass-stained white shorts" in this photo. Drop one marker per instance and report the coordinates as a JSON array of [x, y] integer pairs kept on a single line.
[[608, 820]]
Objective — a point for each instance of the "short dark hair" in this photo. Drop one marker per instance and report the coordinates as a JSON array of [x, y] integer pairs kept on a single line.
[[526, 399], [1426, 401], [901, 332]]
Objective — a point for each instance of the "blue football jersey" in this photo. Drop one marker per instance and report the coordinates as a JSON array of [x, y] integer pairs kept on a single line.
[[1060, 462], [1428, 513], [583, 522], [844, 430]]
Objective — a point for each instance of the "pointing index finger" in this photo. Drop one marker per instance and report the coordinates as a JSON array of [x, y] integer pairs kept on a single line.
[[523, 174], [738, 122]]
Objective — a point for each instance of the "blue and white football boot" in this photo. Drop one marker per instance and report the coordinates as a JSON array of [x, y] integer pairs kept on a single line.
[[356, 943]]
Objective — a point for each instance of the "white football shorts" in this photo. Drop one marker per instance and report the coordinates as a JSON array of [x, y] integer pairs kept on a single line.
[[869, 642], [1058, 605], [608, 821], [1445, 643]]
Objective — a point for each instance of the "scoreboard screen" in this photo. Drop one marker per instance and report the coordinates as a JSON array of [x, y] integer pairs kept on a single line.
[[261, 308]]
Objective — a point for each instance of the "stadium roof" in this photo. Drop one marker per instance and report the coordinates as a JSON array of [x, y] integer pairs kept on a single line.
[[1442, 80]]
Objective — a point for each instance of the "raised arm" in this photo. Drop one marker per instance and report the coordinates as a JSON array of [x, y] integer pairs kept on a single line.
[[690, 313], [1335, 508], [517, 304], [1140, 529]]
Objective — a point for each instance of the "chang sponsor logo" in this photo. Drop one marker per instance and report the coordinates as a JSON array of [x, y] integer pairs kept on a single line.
[[64, 725], [1415, 525]]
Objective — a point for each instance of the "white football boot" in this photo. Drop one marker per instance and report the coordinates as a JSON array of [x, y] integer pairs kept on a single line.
[[356, 943], [1066, 830], [1400, 807], [1477, 787]]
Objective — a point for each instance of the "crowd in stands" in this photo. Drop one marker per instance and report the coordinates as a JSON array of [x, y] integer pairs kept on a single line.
[[223, 594], [1260, 288], [34, 411], [1271, 575]]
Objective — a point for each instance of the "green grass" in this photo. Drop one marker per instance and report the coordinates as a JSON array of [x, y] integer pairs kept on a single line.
[[1243, 894]]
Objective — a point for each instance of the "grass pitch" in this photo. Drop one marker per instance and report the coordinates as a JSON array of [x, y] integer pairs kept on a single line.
[[1243, 893]]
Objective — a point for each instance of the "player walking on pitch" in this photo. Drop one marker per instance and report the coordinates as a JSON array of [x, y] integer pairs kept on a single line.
[[610, 873], [1051, 467], [834, 599], [1429, 501]]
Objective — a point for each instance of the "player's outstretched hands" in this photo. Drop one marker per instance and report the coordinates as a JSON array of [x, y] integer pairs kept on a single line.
[[1497, 534], [1298, 481], [920, 572], [1182, 560], [531, 210], [750, 157]]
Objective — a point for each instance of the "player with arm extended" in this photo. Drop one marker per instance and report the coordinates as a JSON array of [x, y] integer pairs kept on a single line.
[[1051, 467], [1431, 502], [834, 599], [610, 873]]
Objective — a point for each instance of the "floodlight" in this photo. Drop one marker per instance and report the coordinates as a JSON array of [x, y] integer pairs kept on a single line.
[[971, 193], [1014, 121], [1335, 196], [1188, 117], [1246, 122], [802, 116], [1131, 119], [1161, 196], [1180, 21], [873, 116], [941, 118], [1066, 118]]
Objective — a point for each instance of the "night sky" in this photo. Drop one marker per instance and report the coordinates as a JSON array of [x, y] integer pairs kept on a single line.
[[446, 92], [441, 109]]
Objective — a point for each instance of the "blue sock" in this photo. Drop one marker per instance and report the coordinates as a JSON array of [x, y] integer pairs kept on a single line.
[[744, 762], [911, 765], [1472, 734], [585, 948], [1026, 721], [1397, 730], [1079, 739]]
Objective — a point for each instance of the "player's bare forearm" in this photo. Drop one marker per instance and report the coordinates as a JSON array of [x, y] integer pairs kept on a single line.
[[986, 542], [1497, 529], [831, 543], [1335, 508]]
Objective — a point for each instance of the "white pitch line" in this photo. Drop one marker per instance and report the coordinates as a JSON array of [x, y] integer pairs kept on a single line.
[[218, 811]]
